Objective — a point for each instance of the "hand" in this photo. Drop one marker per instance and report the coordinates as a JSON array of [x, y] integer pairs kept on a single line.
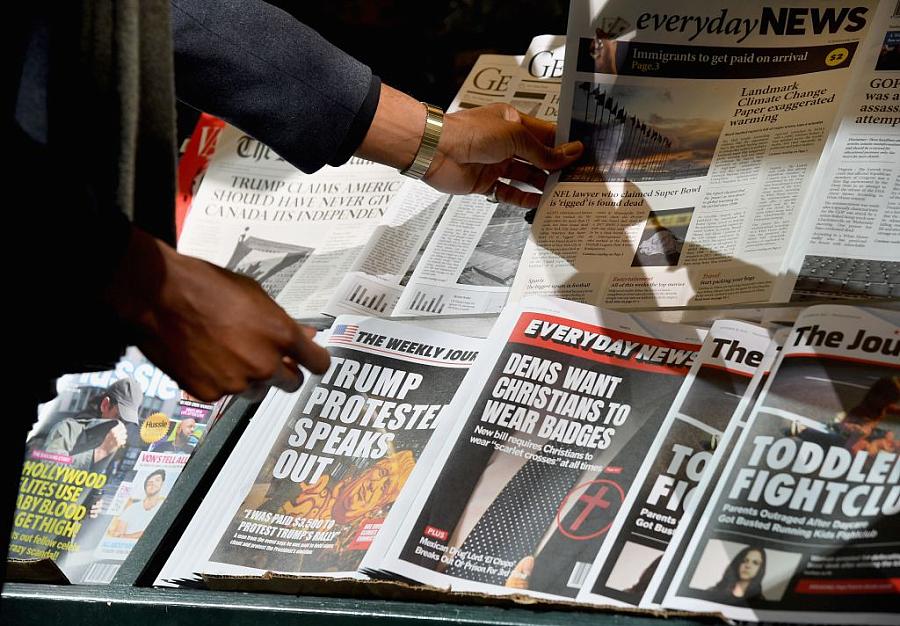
[[518, 578], [115, 439], [477, 147], [480, 145], [214, 332]]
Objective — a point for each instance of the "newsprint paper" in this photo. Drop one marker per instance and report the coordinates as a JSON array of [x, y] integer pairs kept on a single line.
[[719, 387], [554, 420], [665, 570], [803, 526], [296, 234], [703, 125], [435, 254], [345, 445]]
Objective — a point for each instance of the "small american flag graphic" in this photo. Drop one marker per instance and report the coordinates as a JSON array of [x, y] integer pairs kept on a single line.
[[344, 333]]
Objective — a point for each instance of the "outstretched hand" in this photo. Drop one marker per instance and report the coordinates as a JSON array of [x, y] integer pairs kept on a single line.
[[214, 332], [481, 145]]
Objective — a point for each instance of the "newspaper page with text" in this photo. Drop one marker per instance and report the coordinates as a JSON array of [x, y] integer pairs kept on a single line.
[[703, 125], [850, 234], [674, 552], [552, 424], [296, 234], [803, 525], [440, 255], [718, 387], [350, 441]]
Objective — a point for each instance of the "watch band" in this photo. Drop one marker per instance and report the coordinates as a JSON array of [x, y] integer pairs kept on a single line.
[[434, 124]]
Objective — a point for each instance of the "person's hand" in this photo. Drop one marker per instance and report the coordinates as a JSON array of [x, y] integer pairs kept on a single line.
[[477, 147], [481, 145], [518, 578], [115, 439], [214, 332]]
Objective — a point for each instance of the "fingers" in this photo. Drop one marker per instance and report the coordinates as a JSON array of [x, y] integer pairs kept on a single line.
[[543, 130], [303, 350], [526, 173], [512, 195], [530, 148]]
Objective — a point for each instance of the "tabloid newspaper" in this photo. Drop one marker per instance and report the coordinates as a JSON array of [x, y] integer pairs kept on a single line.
[[687, 526], [95, 474], [296, 234], [553, 423], [803, 525], [703, 125], [344, 447], [436, 254], [719, 386]]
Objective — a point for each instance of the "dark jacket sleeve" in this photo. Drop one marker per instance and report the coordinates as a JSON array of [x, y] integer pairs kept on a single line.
[[261, 70]]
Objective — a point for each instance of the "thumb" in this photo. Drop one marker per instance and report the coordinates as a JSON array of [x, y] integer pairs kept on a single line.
[[528, 147]]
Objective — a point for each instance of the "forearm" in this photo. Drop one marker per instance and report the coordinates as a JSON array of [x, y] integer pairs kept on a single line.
[[273, 77]]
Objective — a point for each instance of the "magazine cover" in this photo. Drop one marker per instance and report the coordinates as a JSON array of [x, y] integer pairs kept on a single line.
[[87, 462], [717, 388], [803, 525], [553, 423], [351, 439]]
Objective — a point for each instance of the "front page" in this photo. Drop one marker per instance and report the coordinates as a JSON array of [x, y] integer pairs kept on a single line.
[[351, 438], [703, 126], [687, 526], [718, 387], [94, 477], [802, 526], [554, 420]]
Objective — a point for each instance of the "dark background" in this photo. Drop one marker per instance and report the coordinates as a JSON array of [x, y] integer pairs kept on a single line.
[[424, 48]]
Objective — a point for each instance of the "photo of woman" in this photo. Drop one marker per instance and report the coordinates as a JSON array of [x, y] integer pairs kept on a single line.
[[742, 579]]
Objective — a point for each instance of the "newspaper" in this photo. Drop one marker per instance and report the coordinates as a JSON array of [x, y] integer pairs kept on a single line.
[[535, 91], [296, 234], [553, 422], [94, 477], [719, 386], [703, 126], [436, 254], [344, 446], [851, 230], [803, 525], [674, 552]]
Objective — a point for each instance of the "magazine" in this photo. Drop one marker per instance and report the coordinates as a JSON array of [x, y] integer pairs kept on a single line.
[[552, 424], [719, 386], [803, 525], [344, 446], [704, 128], [99, 461]]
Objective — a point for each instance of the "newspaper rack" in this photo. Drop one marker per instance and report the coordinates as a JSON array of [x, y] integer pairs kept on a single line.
[[130, 595]]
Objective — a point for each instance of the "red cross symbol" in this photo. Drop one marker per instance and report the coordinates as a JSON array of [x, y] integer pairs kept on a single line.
[[591, 502], [607, 496]]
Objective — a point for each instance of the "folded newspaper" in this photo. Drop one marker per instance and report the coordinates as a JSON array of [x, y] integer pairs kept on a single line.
[[803, 524], [321, 467], [551, 427]]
